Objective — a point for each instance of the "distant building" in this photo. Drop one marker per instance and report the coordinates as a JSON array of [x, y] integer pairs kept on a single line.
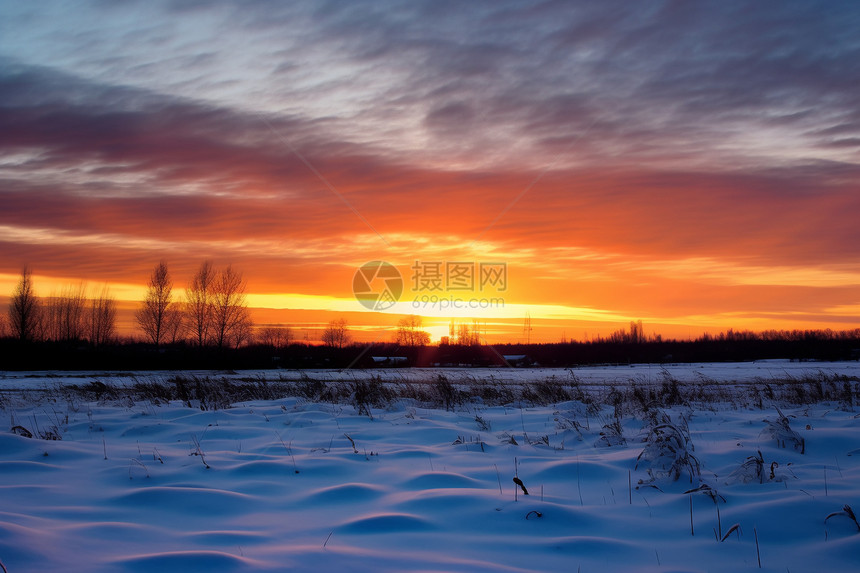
[[389, 360], [518, 359]]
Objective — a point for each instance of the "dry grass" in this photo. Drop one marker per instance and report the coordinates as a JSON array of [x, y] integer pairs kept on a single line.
[[667, 451], [780, 430], [634, 397], [847, 512]]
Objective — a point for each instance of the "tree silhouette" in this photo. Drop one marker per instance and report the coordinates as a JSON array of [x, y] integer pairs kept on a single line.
[[102, 319], [199, 304], [231, 321], [64, 314], [409, 332], [25, 309], [336, 335], [174, 324], [276, 337], [155, 312]]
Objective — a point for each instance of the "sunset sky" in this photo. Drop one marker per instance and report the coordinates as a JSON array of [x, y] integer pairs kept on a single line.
[[693, 165]]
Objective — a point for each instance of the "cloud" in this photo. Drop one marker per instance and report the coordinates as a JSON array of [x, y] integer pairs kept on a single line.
[[117, 160], [656, 82]]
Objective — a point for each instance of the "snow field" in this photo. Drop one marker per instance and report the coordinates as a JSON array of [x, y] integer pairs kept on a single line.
[[306, 486]]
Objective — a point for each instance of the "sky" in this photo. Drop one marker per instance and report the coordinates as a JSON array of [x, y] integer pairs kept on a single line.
[[691, 165]]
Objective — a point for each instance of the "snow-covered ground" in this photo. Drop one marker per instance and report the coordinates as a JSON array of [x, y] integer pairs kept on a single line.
[[716, 372], [296, 485], [697, 372]]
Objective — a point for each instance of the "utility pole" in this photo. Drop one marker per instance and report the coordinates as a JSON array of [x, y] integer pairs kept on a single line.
[[527, 328]]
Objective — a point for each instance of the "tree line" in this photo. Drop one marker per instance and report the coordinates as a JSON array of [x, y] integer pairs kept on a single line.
[[212, 312], [66, 316]]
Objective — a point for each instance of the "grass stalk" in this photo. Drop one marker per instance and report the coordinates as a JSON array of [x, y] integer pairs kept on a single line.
[[290, 451], [719, 523], [578, 481], [692, 533], [757, 552]]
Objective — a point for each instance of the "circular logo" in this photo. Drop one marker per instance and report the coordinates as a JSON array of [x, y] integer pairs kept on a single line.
[[377, 285]]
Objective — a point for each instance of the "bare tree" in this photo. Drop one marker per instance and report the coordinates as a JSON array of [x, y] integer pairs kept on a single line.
[[409, 332], [243, 331], [637, 332], [25, 310], [336, 334], [231, 320], [102, 319], [64, 314], [635, 335], [198, 304], [4, 329], [155, 312], [174, 324], [51, 318], [275, 336], [464, 335]]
